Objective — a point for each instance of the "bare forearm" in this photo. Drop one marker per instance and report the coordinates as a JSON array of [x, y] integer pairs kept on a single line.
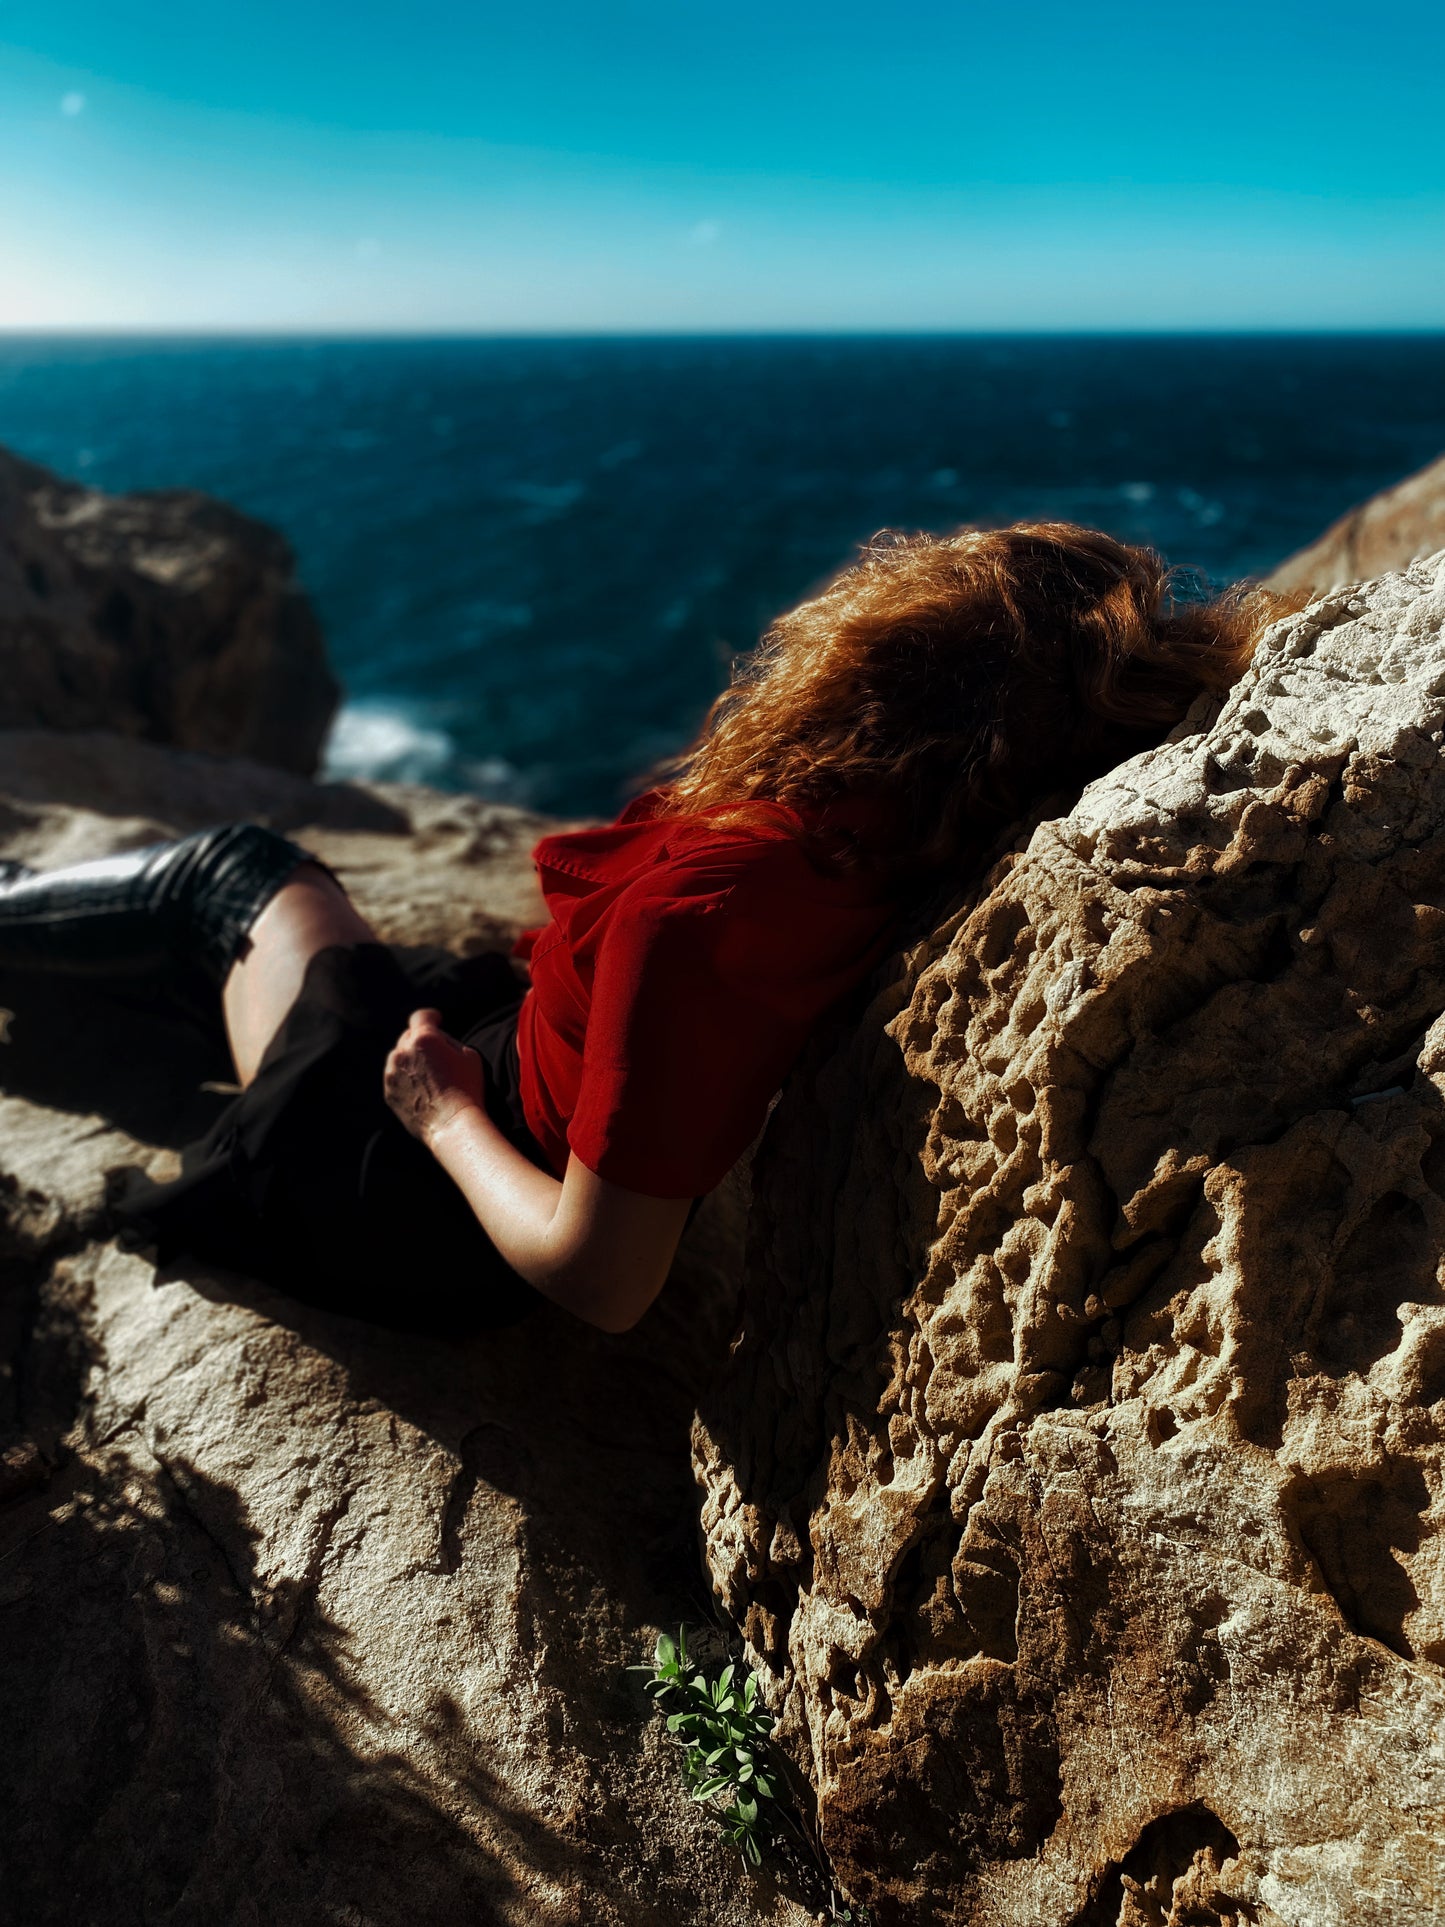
[[516, 1204], [600, 1250]]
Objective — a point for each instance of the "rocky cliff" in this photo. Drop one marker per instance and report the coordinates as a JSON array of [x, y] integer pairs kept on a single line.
[[1079, 1481], [1387, 532], [1073, 1461], [165, 616]]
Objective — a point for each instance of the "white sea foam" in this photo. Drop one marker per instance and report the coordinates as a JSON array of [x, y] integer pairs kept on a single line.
[[375, 742]]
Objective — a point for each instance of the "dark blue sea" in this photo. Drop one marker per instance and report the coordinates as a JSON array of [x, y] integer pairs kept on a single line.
[[535, 559]]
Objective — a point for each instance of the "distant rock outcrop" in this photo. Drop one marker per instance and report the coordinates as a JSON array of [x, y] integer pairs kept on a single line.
[[1079, 1479], [1387, 532], [165, 616]]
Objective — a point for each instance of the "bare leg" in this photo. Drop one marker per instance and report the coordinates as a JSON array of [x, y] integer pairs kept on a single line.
[[310, 912]]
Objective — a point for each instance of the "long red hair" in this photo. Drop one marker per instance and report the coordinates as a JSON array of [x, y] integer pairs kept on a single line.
[[961, 679]]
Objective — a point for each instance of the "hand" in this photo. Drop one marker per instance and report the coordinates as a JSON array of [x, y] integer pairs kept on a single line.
[[430, 1078]]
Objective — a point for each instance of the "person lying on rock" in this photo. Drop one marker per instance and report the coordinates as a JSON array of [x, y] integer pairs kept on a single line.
[[436, 1146]]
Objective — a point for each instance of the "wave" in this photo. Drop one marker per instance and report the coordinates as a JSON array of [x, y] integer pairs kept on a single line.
[[381, 742]]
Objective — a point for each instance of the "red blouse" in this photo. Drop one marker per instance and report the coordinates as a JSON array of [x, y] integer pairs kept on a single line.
[[684, 967]]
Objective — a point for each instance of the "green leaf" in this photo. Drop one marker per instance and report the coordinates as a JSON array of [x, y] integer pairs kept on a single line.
[[723, 1731]]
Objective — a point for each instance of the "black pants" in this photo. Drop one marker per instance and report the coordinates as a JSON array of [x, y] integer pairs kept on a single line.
[[310, 1182]]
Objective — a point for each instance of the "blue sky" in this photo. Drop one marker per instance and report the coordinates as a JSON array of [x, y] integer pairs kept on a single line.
[[639, 166]]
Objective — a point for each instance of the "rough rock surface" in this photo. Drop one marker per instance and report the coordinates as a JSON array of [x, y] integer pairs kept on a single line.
[[1080, 1478], [165, 616], [303, 1622], [1387, 532]]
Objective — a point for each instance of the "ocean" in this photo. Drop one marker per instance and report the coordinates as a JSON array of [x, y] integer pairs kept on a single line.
[[535, 559]]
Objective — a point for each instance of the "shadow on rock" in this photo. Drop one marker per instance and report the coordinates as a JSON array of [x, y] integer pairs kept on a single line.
[[185, 1740], [304, 1620]]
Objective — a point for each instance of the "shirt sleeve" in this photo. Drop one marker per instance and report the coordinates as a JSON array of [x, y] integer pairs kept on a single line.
[[699, 1008]]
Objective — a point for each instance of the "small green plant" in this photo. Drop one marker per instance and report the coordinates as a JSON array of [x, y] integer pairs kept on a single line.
[[724, 1734], [730, 1766]]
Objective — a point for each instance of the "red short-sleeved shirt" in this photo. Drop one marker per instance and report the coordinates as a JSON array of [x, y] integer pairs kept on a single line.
[[684, 967]]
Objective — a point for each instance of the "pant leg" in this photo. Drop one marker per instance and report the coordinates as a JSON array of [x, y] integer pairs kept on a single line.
[[309, 1181]]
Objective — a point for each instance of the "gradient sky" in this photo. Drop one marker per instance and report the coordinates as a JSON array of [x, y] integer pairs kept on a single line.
[[562, 165]]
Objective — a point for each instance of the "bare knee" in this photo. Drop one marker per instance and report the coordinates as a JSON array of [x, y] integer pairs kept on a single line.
[[311, 912]]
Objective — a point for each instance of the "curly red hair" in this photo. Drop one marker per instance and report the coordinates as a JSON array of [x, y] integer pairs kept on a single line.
[[962, 678]]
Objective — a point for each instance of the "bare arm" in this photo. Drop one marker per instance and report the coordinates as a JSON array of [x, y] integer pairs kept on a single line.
[[593, 1247]]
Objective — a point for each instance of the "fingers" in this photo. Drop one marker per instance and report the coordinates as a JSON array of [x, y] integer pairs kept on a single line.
[[429, 1078], [421, 1023]]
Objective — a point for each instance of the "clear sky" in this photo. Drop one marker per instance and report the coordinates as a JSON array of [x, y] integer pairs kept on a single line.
[[682, 164]]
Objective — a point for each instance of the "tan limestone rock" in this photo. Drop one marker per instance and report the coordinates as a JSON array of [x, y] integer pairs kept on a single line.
[[1079, 1480]]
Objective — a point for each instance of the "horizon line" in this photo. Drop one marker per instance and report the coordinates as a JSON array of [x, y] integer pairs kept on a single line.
[[210, 332]]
